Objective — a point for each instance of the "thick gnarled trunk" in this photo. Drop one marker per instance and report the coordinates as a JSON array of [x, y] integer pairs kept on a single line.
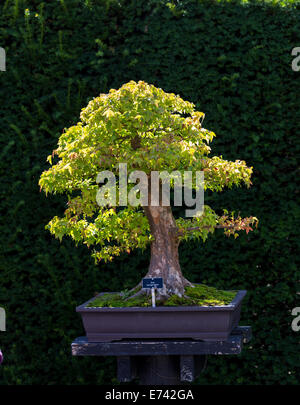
[[164, 260]]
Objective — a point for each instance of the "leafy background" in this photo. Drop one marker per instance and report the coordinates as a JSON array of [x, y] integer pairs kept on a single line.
[[233, 60]]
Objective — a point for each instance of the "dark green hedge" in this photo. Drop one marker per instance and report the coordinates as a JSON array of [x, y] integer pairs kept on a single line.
[[234, 61]]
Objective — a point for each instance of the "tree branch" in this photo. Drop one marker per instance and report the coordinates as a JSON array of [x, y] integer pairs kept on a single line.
[[154, 130], [175, 230]]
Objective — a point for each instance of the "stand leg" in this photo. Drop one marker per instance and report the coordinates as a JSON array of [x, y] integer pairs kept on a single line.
[[126, 368], [159, 370], [187, 368], [191, 367]]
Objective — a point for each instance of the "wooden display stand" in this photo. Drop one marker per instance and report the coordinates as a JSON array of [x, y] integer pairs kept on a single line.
[[162, 361]]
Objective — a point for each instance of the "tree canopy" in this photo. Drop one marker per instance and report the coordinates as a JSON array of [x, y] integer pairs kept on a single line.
[[149, 130]]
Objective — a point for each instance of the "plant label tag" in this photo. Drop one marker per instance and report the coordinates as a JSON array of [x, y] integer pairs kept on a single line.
[[156, 282]]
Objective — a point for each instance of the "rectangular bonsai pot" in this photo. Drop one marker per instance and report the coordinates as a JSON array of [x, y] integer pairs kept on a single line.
[[208, 323]]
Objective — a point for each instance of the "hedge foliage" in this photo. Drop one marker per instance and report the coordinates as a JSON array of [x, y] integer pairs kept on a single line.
[[233, 60]]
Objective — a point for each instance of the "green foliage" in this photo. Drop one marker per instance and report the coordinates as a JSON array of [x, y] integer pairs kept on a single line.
[[144, 127], [114, 300], [232, 59], [199, 294]]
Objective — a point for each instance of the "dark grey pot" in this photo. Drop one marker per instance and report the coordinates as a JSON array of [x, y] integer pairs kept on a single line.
[[203, 323]]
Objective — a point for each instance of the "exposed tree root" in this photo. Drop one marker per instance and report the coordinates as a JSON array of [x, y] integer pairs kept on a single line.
[[140, 292], [187, 283], [137, 286], [159, 297]]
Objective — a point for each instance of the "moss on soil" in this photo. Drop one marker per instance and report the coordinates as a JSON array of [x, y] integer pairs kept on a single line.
[[199, 295]]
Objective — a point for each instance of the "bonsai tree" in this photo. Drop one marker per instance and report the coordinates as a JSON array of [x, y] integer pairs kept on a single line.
[[149, 130]]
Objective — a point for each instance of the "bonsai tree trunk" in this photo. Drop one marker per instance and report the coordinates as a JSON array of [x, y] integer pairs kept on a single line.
[[164, 260]]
